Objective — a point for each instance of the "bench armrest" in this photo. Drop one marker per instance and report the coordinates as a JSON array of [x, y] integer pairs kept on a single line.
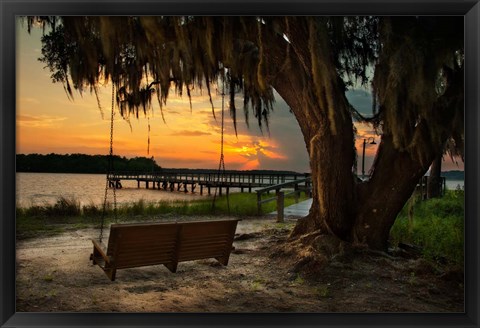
[[97, 249]]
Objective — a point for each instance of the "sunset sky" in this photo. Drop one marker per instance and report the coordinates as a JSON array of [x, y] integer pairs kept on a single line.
[[48, 122]]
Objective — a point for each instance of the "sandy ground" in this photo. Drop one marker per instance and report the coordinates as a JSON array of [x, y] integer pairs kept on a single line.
[[54, 274]]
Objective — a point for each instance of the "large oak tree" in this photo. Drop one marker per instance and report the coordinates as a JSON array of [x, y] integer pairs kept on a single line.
[[414, 65]]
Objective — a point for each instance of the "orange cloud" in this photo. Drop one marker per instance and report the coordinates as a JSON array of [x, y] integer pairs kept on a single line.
[[38, 121], [251, 165], [186, 133]]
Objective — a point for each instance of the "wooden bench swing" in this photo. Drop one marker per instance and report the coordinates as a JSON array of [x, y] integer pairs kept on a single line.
[[144, 244], [168, 243]]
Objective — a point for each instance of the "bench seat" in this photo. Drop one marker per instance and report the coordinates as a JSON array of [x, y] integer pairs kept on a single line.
[[143, 244]]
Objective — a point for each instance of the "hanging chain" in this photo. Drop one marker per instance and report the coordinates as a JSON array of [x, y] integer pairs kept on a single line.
[[148, 141], [104, 209], [111, 153], [221, 165], [109, 171]]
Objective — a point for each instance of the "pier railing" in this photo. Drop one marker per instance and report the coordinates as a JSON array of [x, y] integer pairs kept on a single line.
[[300, 185]]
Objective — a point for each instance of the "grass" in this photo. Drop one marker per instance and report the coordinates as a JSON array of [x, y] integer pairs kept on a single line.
[[48, 278], [323, 291], [436, 225], [67, 213]]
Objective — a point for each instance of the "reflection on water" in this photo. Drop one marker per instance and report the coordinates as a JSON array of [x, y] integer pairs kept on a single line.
[[47, 188], [455, 184]]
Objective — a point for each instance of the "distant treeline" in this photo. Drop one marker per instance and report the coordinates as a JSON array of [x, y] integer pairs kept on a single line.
[[81, 163]]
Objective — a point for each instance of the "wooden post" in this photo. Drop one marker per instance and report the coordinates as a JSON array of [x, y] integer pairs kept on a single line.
[[259, 205], [280, 205]]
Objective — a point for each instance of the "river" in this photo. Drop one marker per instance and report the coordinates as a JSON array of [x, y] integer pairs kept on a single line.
[[47, 188]]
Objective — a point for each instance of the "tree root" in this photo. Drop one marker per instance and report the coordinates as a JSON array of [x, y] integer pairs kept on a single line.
[[310, 253]]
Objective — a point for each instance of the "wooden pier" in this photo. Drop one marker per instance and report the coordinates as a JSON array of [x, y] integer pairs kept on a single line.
[[299, 186], [190, 181]]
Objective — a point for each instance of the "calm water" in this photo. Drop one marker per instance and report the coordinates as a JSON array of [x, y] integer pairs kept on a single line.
[[47, 188], [454, 184]]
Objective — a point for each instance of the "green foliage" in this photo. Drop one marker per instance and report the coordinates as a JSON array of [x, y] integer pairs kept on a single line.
[[183, 51], [417, 53], [40, 224], [49, 219], [436, 225], [93, 210], [64, 206]]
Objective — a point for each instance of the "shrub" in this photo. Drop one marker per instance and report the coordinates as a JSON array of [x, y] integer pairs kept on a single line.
[[436, 225], [64, 207]]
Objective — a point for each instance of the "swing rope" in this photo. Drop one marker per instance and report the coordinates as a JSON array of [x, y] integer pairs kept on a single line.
[[221, 165], [109, 172]]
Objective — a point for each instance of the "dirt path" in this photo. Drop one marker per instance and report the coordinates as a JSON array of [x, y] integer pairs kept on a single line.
[[55, 274]]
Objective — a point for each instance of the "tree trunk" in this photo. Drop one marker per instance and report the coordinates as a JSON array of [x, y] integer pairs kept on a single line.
[[380, 199], [434, 181], [358, 212], [331, 153], [339, 207]]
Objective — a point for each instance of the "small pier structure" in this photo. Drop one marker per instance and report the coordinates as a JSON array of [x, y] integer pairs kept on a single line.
[[281, 191], [204, 180]]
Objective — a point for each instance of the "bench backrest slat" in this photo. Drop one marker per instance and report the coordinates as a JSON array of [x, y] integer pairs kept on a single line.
[[138, 245], [207, 240], [134, 245]]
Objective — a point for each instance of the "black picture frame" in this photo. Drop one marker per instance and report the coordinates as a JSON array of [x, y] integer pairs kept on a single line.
[[10, 9]]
